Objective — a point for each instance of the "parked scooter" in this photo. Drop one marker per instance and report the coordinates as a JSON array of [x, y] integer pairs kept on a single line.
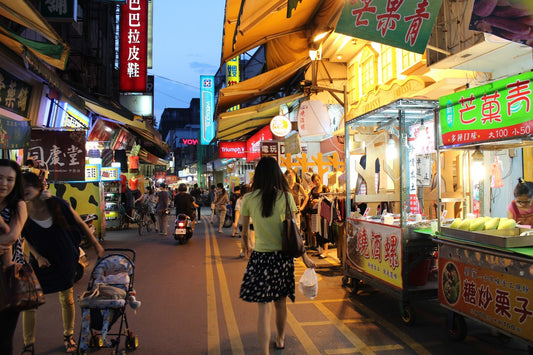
[[183, 228]]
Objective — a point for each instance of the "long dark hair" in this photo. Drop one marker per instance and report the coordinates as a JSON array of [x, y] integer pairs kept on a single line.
[[269, 179], [53, 204], [17, 193]]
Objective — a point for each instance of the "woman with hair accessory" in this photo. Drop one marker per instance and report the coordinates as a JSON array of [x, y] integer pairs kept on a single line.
[[13, 212], [269, 275], [53, 232], [521, 208]]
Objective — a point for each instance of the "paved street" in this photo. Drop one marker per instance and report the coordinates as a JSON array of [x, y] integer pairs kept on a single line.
[[190, 305]]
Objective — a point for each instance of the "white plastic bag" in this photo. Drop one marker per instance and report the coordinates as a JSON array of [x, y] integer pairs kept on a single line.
[[308, 284]]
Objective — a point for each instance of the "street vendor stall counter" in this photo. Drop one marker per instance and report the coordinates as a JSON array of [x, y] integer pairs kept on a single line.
[[389, 242], [485, 261]]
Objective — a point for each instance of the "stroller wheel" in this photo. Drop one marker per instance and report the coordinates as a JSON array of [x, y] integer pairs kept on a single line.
[[132, 342], [96, 342]]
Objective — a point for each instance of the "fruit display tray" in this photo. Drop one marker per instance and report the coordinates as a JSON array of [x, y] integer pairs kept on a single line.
[[505, 238]]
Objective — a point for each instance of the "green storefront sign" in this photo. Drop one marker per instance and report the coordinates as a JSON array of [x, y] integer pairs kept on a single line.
[[495, 111], [400, 23], [59, 10], [15, 94]]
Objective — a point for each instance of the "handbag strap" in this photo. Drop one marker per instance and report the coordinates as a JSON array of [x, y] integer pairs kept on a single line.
[[288, 212]]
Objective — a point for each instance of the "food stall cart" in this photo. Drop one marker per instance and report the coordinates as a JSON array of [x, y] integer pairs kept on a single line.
[[389, 246], [485, 261]]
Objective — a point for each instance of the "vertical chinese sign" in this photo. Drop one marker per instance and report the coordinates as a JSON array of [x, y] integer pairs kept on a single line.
[[233, 76], [499, 110], [133, 45], [398, 23], [62, 151], [207, 105], [375, 249]]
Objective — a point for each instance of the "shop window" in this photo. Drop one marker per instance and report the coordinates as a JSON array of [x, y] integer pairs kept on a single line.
[[388, 64], [368, 70], [412, 63]]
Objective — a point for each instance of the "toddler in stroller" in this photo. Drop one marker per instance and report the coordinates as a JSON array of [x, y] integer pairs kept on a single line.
[[109, 292]]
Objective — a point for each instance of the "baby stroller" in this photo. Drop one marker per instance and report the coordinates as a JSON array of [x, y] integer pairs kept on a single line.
[[109, 292]]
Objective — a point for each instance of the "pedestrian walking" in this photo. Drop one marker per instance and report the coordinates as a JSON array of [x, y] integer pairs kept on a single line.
[[53, 232], [221, 201], [212, 196], [14, 214], [162, 208], [269, 275], [197, 194]]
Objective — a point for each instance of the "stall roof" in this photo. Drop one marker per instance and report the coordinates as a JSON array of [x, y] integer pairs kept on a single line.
[[413, 110], [236, 124]]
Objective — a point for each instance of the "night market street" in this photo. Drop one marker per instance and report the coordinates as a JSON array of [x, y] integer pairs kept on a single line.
[[190, 305]]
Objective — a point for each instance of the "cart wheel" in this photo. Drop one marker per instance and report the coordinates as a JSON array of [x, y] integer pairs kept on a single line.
[[355, 285], [345, 281], [408, 314], [456, 327]]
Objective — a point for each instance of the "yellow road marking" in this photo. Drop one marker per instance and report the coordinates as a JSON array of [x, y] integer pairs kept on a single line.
[[213, 337], [231, 322], [352, 338], [417, 347], [301, 334]]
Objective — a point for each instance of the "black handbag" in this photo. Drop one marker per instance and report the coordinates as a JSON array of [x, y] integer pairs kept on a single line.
[[20, 288], [291, 239]]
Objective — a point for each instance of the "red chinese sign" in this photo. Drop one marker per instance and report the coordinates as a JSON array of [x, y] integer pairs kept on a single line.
[[133, 45], [375, 249]]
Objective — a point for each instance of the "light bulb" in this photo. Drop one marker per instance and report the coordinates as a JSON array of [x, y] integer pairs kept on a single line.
[[391, 151]]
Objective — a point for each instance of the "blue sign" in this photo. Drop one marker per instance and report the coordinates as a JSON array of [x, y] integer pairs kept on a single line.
[[207, 108]]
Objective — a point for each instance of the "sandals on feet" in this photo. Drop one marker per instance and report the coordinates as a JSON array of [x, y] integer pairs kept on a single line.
[[28, 349], [70, 344]]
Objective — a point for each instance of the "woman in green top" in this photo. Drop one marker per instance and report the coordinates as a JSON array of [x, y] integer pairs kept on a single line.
[[269, 275]]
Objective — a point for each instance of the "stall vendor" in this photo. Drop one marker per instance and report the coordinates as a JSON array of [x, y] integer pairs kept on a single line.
[[521, 208]]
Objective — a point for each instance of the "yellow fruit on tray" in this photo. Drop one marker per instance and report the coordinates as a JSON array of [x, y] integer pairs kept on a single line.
[[507, 224], [477, 224], [492, 223], [456, 222], [465, 225]]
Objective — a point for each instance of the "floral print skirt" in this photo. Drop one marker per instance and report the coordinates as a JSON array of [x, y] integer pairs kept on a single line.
[[268, 277]]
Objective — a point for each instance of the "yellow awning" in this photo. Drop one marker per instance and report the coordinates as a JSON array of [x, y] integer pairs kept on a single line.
[[23, 12], [235, 124], [258, 85], [112, 115], [251, 23]]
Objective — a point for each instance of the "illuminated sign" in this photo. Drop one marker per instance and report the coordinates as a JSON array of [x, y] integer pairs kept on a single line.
[[253, 145], [133, 45], [189, 141], [501, 109], [71, 118], [280, 126], [233, 76], [109, 174], [228, 150], [207, 104]]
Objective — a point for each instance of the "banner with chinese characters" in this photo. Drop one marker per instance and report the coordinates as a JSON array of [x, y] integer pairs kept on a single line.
[[92, 172], [207, 106], [498, 110], [62, 151], [64, 10], [14, 134], [497, 298], [398, 23], [507, 19], [375, 249], [15, 94], [272, 149], [133, 45], [233, 76]]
